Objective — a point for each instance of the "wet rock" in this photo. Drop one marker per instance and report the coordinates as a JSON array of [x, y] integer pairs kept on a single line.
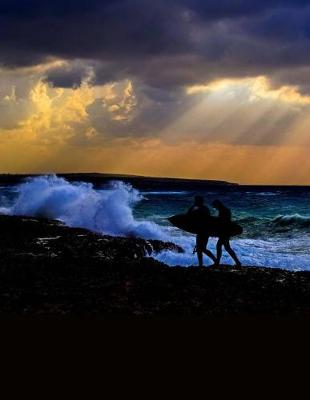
[[43, 237], [48, 269]]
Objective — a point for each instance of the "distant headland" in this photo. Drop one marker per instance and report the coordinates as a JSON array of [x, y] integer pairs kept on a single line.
[[135, 180]]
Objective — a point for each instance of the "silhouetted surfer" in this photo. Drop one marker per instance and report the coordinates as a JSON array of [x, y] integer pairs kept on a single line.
[[225, 219], [201, 212]]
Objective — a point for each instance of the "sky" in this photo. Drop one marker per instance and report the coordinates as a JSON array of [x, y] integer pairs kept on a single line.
[[183, 88]]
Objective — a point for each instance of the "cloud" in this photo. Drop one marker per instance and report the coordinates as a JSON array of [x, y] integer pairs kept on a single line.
[[162, 44], [235, 111], [13, 110], [261, 132], [69, 75], [120, 78]]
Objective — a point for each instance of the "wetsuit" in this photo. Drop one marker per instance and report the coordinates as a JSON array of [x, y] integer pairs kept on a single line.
[[201, 213], [225, 218]]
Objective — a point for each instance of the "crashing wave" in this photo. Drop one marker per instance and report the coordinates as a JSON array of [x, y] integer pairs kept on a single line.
[[106, 211], [294, 220]]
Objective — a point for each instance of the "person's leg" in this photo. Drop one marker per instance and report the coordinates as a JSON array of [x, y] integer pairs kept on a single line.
[[231, 252], [219, 246], [208, 252], [199, 247], [200, 258]]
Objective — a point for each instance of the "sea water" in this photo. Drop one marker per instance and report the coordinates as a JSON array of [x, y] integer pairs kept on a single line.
[[276, 220]]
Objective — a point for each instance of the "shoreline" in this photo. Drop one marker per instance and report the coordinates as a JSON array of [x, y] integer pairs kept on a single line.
[[48, 270]]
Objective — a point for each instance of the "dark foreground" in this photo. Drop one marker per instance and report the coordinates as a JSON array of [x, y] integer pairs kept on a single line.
[[48, 269]]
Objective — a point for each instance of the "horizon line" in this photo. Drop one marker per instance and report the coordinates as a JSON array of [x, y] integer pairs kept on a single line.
[[151, 177]]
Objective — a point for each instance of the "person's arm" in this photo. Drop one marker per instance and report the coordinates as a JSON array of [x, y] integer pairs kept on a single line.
[[207, 212], [226, 215], [190, 209]]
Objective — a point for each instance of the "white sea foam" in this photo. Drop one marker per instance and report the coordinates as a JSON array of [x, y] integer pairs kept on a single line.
[[267, 194], [285, 254], [302, 220], [161, 193], [79, 204], [110, 211]]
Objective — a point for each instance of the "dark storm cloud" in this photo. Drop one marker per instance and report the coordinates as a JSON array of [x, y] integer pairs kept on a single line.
[[167, 43], [237, 8], [68, 76]]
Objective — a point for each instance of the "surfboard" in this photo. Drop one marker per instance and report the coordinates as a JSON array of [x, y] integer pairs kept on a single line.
[[210, 226]]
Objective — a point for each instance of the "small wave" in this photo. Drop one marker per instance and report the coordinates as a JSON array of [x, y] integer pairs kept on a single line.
[[164, 193], [249, 219], [263, 193], [266, 194], [292, 220]]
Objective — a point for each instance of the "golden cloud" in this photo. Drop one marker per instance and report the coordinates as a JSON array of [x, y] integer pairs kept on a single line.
[[258, 88], [53, 125]]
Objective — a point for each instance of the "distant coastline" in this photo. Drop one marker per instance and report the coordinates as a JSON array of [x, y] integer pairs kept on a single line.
[[135, 180], [140, 181]]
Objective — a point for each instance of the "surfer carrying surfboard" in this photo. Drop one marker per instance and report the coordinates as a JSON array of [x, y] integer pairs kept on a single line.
[[199, 222], [199, 212], [224, 216]]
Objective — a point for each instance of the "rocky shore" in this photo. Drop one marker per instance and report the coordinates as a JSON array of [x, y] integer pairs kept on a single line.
[[48, 269]]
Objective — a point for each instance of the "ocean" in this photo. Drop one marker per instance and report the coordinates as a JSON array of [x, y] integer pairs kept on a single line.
[[276, 220]]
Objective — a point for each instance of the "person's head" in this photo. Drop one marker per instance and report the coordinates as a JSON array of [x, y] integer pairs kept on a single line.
[[199, 201], [217, 204]]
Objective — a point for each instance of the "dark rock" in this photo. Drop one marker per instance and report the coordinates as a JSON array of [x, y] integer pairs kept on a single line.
[[49, 269], [40, 237]]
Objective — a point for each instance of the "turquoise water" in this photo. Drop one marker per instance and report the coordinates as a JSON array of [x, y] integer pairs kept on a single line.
[[276, 220], [263, 213]]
